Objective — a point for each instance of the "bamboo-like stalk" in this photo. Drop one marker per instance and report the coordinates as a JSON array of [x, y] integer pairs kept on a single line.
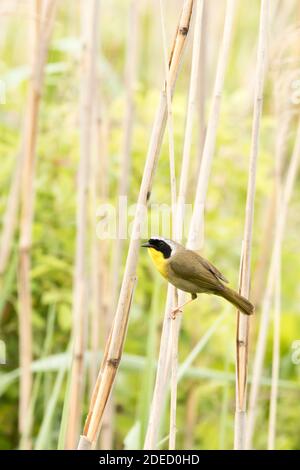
[[115, 345], [192, 104], [169, 114], [174, 345], [243, 321], [101, 288], [38, 7], [27, 208], [178, 220], [264, 322], [99, 272], [203, 76], [281, 134], [174, 295], [161, 381], [79, 329], [284, 116], [196, 224], [147, 381], [173, 383], [170, 335], [13, 201]]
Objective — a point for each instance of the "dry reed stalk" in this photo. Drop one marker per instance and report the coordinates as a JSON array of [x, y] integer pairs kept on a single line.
[[161, 381], [13, 201], [284, 114], [109, 368], [281, 137], [243, 321], [103, 388], [105, 439], [90, 23], [38, 12], [101, 317], [107, 430], [26, 218], [203, 76], [99, 248], [97, 385], [174, 372], [264, 321], [282, 99], [192, 106], [174, 346], [170, 335], [178, 217], [197, 222], [195, 238], [169, 114]]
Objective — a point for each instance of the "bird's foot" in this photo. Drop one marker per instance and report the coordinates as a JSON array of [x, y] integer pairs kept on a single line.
[[174, 312]]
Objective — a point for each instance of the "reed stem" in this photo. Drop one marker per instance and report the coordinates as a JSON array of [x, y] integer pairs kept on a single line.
[[243, 321], [26, 217], [90, 22], [115, 346]]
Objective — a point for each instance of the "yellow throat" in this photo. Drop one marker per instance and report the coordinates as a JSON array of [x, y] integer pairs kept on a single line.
[[159, 261]]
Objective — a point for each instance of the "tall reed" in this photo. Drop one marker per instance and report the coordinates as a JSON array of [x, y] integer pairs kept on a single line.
[[100, 321], [243, 321], [264, 321], [284, 110], [90, 21], [43, 34], [160, 389], [99, 248], [173, 290], [115, 342], [203, 82]]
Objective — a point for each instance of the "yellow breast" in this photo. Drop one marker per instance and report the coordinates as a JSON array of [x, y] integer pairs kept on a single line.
[[159, 261]]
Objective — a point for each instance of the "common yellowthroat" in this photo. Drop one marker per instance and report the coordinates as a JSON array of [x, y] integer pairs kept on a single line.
[[188, 271]]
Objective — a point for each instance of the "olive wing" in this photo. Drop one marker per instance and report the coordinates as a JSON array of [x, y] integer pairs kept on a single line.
[[212, 269], [192, 267]]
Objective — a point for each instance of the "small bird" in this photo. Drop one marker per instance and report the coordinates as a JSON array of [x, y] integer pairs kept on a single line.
[[189, 272]]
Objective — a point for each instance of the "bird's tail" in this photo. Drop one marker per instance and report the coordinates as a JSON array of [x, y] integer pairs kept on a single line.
[[240, 302]]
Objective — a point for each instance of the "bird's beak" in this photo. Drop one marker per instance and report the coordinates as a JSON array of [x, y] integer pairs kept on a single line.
[[146, 245]]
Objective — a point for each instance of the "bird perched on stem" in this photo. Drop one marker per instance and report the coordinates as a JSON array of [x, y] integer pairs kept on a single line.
[[189, 272]]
